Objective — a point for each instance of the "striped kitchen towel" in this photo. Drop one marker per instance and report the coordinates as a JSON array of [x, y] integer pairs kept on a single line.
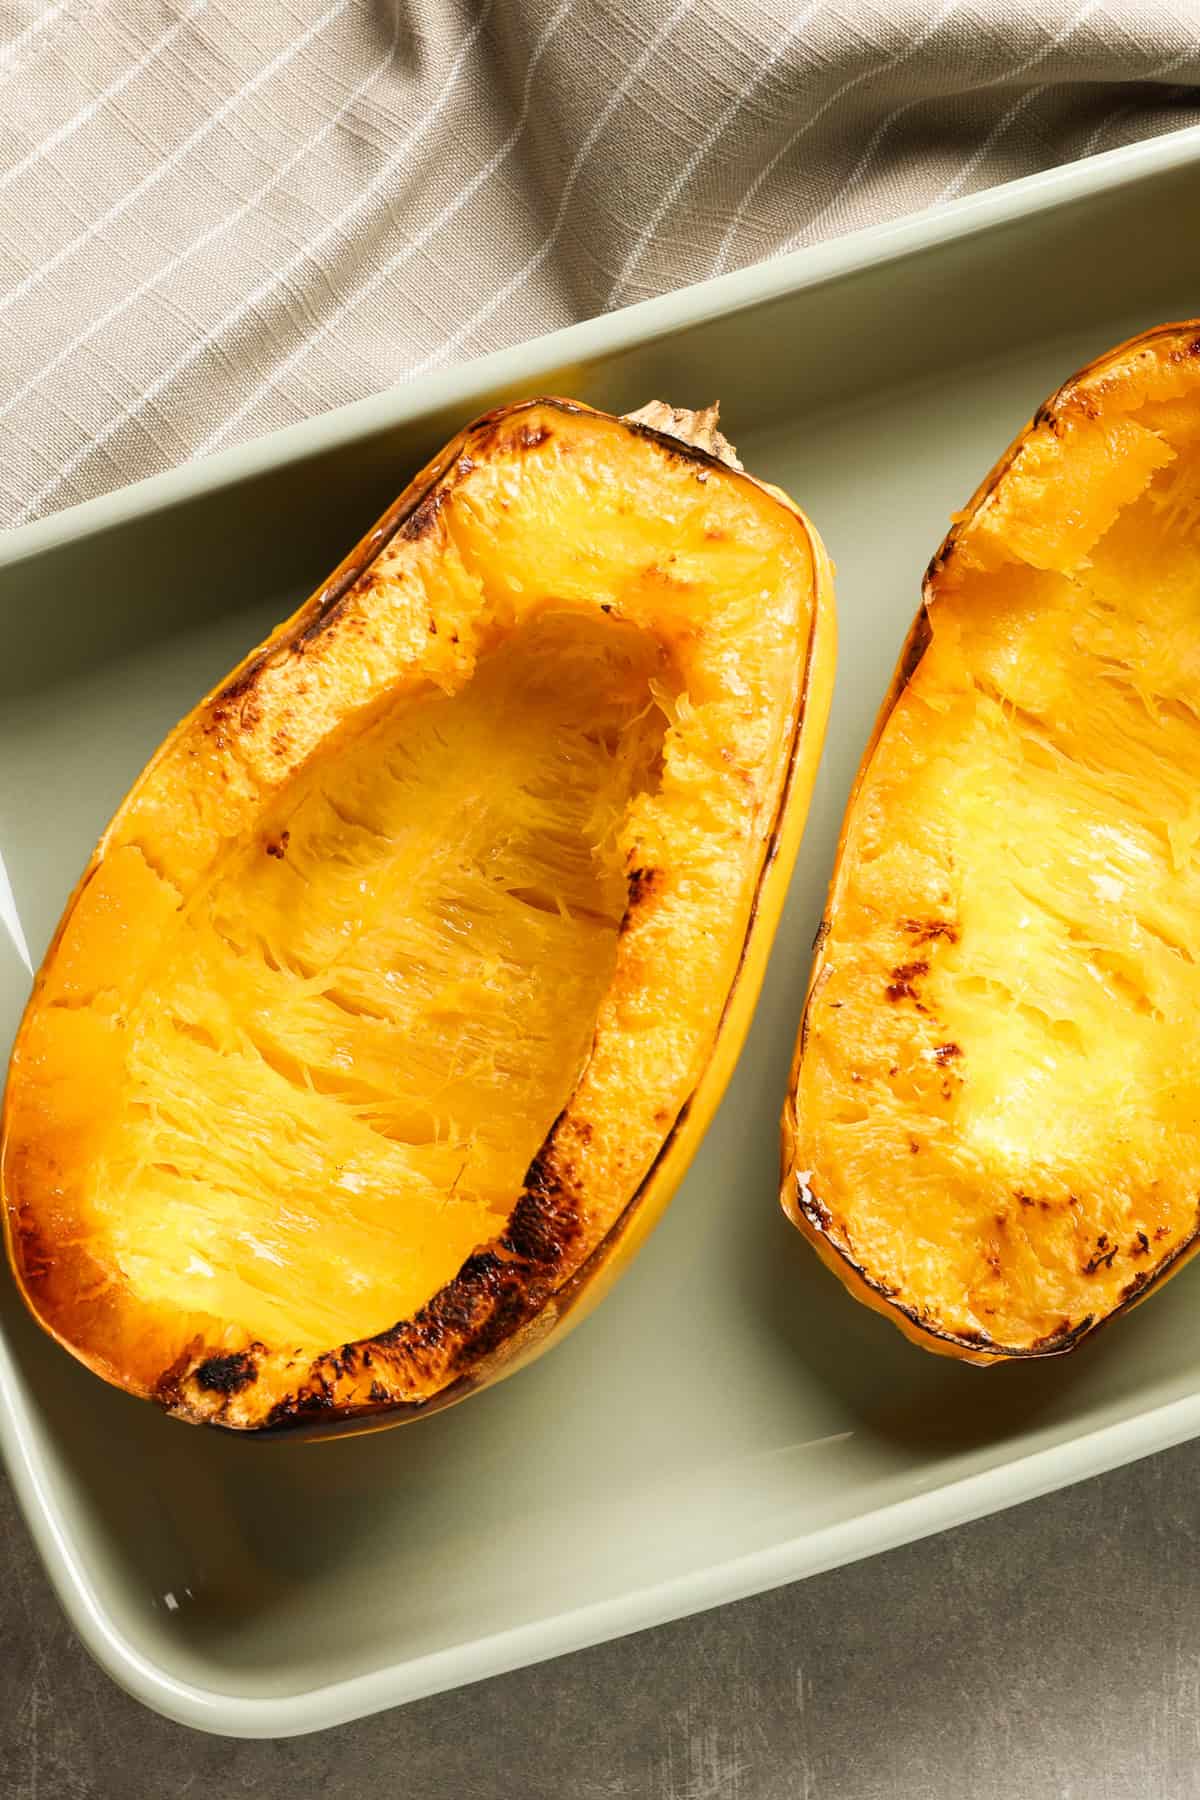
[[220, 216]]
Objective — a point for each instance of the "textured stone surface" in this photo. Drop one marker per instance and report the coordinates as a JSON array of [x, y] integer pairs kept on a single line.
[[1051, 1653]]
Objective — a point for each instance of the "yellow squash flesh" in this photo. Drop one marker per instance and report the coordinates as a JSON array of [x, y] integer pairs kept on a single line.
[[404, 982], [994, 1130]]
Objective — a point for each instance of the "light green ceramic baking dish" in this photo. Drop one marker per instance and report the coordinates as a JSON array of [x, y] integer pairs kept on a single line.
[[269, 1588]]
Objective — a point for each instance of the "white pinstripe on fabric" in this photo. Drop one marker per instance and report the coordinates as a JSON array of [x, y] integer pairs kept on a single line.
[[87, 113], [892, 62], [872, 149], [257, 295], [44, 20], [868, 156], [1022, 105], [215, 231], [707, 143], [515, 282], [307, 251], [164, 168], [413, 248], [1120, 112]]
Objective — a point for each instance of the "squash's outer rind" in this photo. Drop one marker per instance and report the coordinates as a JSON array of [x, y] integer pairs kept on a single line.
[[1173, 343], [505, 1311]]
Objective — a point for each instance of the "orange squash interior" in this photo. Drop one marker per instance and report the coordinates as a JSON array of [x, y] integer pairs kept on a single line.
[[995, 1130], [400, 965]]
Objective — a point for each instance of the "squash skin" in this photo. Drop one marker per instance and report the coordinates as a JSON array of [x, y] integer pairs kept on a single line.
[[514, 1296], [1154, 366]]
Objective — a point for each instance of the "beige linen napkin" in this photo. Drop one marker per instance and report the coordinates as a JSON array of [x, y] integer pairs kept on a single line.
[[220, 216]]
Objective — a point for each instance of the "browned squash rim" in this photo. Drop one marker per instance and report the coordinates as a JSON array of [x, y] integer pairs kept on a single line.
[[803, 1207], [484, 1313], [498, 1290]]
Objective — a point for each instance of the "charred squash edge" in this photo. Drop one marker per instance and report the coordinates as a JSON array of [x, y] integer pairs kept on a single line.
[[503, 1301], [801, 1206]]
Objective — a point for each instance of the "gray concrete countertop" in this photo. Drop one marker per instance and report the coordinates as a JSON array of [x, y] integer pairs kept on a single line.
[[1050, 1653]]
